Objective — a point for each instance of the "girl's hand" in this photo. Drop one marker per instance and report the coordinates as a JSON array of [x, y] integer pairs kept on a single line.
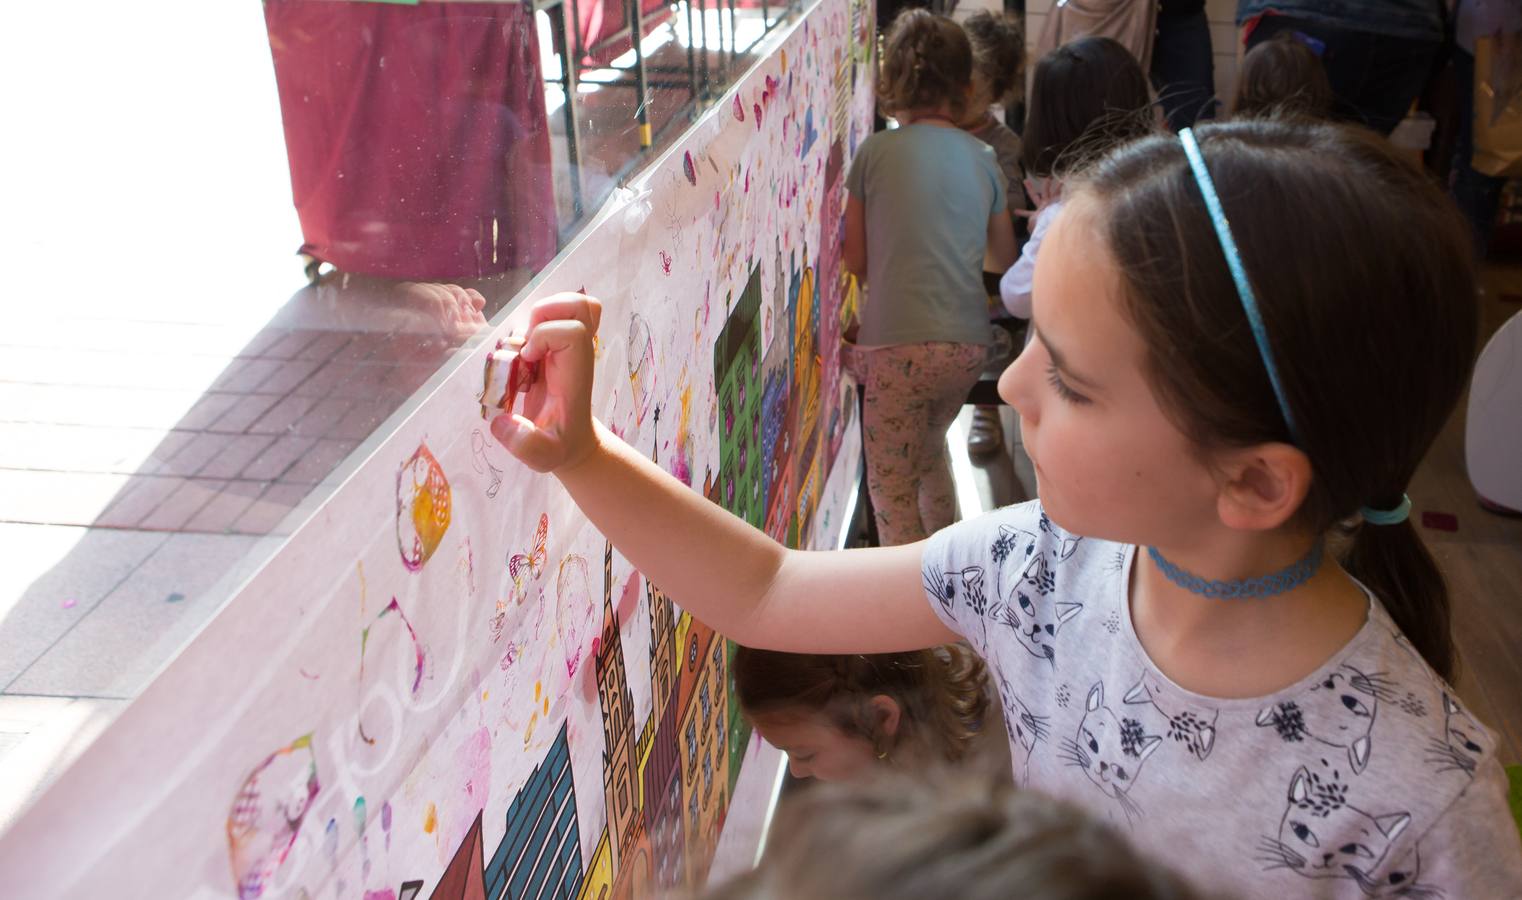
[[555, 431], [1043, 192]]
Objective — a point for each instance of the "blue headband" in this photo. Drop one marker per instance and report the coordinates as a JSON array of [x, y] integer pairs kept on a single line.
[[1254, 318], [1238, 273]]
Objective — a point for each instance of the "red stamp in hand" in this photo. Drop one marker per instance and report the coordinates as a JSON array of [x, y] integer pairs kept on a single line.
[[507, 375]]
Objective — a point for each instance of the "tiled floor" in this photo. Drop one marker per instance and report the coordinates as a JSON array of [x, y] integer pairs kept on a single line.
[[1482, 559]]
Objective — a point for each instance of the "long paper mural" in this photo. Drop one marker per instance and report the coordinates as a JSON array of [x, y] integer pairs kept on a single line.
[[447, 684]]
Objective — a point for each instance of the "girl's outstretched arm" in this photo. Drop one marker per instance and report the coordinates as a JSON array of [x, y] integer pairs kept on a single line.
[[728, 574]]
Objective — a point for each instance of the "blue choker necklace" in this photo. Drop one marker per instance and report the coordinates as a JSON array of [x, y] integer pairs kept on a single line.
[[1287, 578]]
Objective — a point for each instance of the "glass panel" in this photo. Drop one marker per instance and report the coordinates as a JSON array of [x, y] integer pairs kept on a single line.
[[237, 245]]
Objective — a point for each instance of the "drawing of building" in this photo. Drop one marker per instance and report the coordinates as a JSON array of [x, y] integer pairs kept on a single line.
[[702, 741], [462, 878], [539, 857], [737, 379], [598, 885], [619, 760]]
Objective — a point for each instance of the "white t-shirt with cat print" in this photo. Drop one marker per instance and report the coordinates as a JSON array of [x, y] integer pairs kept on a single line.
[[1366, 779]]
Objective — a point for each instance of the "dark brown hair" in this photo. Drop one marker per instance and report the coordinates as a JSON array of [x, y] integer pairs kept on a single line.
[[1363, 274], [1282, 76], [1086, 97], [927, 63], [942, 693], [998, 51], [944, 834]]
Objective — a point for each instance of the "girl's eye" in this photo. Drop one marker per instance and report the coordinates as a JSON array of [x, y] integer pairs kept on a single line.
[[1061, 387]]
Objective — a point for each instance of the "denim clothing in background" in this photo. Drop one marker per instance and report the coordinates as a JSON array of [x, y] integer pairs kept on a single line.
[[1183, 67], [1374, 75], [1416, 19]]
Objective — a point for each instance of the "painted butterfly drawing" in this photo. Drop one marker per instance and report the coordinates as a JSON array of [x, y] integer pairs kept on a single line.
[[522, 566]]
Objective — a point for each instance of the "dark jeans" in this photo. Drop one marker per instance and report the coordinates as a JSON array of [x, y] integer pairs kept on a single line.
[[1478, 196], [1374, 77], [1183, 71]]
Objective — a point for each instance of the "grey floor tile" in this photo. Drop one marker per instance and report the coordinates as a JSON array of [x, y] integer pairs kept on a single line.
[[138, 627], [56, 577]]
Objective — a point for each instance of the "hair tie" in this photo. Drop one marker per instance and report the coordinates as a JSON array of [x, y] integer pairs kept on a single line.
[[1394, 516], [1238, 273]]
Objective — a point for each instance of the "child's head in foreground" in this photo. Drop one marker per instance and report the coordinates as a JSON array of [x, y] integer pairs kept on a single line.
[[1145, 403], [841, 717], [943, 834]]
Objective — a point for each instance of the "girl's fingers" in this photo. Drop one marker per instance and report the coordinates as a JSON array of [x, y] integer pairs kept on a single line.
[[580, 307], [527, 442]]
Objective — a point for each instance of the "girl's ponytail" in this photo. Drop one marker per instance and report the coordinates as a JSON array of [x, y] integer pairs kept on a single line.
[[1394, 563], [926, 64]]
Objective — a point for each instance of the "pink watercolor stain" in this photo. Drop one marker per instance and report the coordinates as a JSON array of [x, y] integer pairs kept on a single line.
[[70, 603], [382, 894]]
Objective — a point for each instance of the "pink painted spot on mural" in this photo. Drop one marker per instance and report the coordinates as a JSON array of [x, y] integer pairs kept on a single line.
[[472, 769], [739, 109], [689, 168], [69, 603]]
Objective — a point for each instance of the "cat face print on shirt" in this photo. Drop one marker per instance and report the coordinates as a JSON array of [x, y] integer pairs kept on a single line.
[[1457, 749], [1025, 728], [1033, 612], [1338, 711], [1193, 729], [1321, 834], [966, 586], [1110, 749]]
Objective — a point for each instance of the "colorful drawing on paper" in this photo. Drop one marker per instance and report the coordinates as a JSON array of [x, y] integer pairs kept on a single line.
[[422, 508]]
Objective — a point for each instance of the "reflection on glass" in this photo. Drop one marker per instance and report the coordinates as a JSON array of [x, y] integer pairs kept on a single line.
[[177, 386]]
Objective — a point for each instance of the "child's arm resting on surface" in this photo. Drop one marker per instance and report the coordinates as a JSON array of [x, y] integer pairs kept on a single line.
[[728, 574]]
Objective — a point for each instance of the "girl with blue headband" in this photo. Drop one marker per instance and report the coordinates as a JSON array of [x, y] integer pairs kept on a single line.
[[1246, 338]]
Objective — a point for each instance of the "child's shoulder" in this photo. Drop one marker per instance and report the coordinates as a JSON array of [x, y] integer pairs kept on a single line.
[[1023, 535], [1379, 715]]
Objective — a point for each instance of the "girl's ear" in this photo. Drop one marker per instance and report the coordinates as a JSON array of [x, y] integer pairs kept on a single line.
[[1262, 486], [885, 716]]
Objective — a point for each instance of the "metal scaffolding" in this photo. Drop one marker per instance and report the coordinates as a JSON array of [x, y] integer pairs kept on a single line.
[[704, 75]]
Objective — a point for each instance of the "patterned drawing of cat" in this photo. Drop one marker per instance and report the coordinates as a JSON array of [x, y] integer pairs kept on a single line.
[[1194, 728], [966, 585], [1457, 750], [1110, 749], [1025, 728], [1338, 711], [1322, 835], [1031, 613], [1012, 542]]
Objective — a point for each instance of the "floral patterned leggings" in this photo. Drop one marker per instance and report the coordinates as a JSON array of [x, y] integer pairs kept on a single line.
[[913, 392]]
